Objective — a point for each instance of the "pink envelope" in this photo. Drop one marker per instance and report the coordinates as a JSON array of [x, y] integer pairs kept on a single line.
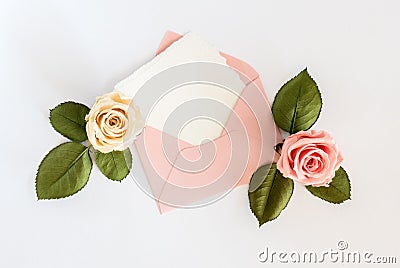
[[185, 175]]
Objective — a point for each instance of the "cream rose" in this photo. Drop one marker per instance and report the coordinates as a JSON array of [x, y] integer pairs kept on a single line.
[[113, 122], [310, 157]]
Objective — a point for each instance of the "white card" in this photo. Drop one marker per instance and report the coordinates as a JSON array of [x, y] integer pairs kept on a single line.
[[188, 49]]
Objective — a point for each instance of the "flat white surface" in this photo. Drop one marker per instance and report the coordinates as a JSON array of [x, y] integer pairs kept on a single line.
[[51, 51]]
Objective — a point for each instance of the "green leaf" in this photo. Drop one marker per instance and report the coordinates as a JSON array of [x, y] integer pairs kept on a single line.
[[68, 119], [64, 171], [297, 104], [269, 193], [338, 190], [115, 165]]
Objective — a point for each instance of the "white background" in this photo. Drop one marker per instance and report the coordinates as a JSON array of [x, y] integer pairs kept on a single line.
[[51, 51]]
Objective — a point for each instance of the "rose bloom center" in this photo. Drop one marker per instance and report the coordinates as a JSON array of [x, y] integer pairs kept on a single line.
[[313, 163]]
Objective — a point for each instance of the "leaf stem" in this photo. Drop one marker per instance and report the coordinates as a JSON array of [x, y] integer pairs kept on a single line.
[[278, 148]]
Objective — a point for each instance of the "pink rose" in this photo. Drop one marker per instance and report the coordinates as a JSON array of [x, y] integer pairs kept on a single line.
[[310, 157]]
